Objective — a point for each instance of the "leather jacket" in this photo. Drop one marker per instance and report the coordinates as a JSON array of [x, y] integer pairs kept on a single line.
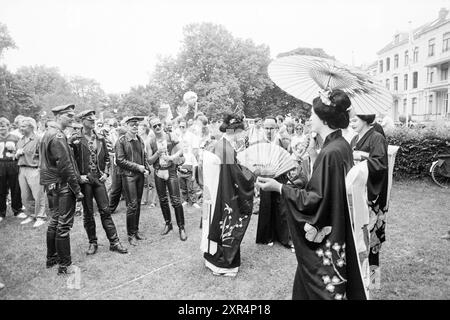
[[80, 146], [56, 160], [125, 155]]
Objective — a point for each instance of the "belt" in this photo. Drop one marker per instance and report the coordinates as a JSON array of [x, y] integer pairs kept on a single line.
[[25, 166]]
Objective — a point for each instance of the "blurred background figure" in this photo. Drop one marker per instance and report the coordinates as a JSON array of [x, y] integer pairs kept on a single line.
[[9, 171], [386, 122], [15, 127], [32, 192], [256, 133]]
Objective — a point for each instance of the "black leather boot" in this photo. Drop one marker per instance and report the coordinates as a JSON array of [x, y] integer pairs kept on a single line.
[[183, 235], [132, 240], [92, 249], [140, 236], [117, 247], [167, 228], [52, 261]]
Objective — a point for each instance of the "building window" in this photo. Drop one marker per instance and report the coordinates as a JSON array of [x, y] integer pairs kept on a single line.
[[381, 66], [388, 64], [388, 86], [431, 45], [404, 105], [395, 83], [416, 55], [430, 75], [396, 109], [430, 104], [446, 42], [396, 61], [405, 82], [406, 57], [444, 72], [415, 79], [413, 105]]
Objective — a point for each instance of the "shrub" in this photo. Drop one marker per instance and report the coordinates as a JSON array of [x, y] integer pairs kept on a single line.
[[419, 147]]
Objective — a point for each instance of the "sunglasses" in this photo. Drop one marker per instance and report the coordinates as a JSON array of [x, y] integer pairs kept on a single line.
[[182, 127], [133, 124], [157, 125]]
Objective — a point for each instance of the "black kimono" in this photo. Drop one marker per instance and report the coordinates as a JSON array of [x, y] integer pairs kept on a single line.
[[376, 145], [232, 210], [272, 216], [321, 230]]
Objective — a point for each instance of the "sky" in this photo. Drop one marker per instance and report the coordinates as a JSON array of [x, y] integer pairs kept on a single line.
[[117, 42]]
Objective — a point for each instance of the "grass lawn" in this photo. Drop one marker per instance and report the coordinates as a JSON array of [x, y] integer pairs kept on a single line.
[[415, 263]]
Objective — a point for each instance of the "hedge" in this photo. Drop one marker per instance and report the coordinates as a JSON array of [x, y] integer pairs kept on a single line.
[[419, 147]]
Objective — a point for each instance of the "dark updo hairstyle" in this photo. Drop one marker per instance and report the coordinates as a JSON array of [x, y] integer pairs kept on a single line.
[[335, 115], [369, 118], [232, 122]]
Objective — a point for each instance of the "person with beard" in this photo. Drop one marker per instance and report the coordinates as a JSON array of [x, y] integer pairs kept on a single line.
[[231, 200], [131, 159], [166, 156], [272, 216], [92, 158], [318, 215], [60, 178]]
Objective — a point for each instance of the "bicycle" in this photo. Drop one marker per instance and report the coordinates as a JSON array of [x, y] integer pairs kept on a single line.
[[440, 170]]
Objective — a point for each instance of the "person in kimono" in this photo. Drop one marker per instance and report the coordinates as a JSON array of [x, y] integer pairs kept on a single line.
[[232, 201], [369, 144], [272, 216], [318, 215]]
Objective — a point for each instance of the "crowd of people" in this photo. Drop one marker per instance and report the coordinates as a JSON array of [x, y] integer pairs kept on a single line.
[[48, 169]]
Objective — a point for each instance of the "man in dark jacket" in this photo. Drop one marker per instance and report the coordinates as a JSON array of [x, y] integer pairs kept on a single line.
[[131, 159], [92, 158], [60, 181]]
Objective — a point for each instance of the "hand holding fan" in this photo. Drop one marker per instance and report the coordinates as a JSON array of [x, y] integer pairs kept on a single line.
[[266, 160]]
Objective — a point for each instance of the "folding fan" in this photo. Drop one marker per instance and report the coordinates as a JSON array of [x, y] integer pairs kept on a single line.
[[266, 159]]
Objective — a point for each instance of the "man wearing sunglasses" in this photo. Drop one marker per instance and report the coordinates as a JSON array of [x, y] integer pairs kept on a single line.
[[131, 159], [59, 177], [92, 158], [166, 156]]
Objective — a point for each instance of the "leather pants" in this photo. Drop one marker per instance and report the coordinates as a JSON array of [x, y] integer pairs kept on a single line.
[[116, 189], [96, 189], [174, 192], [61, 202], [133, 188], [9, 180]]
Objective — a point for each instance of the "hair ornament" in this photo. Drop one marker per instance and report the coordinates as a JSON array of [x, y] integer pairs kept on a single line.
[[325, 97]]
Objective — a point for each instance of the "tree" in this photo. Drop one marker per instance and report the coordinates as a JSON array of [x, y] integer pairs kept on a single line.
[[228, 74], [14, 100], [6, 41], [87, 93], [316, 52], [45, 85]]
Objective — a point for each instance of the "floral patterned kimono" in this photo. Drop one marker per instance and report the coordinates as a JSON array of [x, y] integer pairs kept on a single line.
[[318, 216], [228, 203], [375, 144]]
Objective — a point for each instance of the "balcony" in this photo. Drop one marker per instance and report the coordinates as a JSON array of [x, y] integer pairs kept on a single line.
[[441, 85], [438, 59]]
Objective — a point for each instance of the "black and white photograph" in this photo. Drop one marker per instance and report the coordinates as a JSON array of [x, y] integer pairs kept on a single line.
[[230, 153]]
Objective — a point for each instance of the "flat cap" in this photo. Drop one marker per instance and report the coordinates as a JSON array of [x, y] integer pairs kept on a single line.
[[133, 118], [67, 108], [87, 115]]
